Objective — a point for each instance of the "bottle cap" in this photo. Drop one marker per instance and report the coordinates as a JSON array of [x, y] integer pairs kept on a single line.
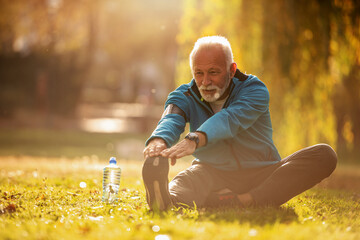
[[112, 160]]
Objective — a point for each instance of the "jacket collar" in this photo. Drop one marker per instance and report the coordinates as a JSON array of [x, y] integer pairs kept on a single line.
[[239, 76]]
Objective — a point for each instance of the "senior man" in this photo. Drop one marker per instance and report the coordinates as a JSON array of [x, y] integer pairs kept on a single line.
[[230, 135]]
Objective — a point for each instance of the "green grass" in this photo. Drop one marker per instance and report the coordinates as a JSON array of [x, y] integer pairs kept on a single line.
[[41, 197]]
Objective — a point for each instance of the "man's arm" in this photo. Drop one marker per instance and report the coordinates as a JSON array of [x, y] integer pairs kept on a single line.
[[168, 130], [184, 148]]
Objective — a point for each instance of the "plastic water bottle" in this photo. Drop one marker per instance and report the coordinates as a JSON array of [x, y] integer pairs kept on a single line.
[[111, 181]]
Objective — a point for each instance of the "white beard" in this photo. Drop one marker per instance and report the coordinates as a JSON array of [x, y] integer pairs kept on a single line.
[[211, 97], [215, 96]]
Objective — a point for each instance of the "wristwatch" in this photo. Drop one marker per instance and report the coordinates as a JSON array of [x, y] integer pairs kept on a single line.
[[193, 137]]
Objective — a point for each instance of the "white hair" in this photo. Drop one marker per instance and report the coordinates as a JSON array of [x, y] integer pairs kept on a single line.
[[211, 41]]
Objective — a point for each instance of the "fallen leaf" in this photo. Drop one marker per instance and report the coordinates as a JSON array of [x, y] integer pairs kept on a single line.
[[42, 197], [9, 208]]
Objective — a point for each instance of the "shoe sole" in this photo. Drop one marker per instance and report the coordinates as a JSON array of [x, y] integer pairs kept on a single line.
[[155, 176]]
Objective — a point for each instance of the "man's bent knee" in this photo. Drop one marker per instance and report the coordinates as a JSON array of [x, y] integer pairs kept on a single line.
[[328, 157], [191, 186]]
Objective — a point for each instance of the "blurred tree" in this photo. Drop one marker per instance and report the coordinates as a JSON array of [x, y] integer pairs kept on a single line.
[[345, 62], [43, 55], [53, 50], [322, 40], [307, 52], [297, 36]]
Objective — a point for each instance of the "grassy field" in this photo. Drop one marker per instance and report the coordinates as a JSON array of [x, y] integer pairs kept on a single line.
[[66, 143], [44, 197]]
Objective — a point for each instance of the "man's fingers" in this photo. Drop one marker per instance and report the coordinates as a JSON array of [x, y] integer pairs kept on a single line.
[[175, 154], [153, 150], [145, 152], [166, 152]]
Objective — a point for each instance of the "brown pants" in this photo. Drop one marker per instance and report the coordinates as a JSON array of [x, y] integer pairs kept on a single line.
[[270, 185]]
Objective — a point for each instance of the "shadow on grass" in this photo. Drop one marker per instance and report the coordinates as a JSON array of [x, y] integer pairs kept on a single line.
[[253, 216]]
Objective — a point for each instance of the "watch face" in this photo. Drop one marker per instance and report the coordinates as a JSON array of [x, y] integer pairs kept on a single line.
[[193, 137]]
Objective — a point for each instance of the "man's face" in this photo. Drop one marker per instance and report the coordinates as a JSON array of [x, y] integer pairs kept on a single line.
[[211, 74]]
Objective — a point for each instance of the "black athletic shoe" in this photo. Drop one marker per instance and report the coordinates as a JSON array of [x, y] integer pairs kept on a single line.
[[155, 173]]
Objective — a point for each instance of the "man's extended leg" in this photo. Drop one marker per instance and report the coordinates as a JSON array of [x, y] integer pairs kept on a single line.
[[296, 173]]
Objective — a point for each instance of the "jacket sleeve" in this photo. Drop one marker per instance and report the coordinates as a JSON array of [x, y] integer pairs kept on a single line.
[[172, 125], [249, 103]]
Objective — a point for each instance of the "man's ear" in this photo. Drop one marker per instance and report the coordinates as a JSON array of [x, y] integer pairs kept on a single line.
[[233, 68]]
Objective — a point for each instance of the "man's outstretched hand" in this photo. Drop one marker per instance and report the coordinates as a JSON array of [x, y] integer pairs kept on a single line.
[[184, 148], [154, 148], [157, 147]]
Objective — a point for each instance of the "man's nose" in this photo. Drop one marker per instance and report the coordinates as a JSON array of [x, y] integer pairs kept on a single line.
[[206, 80]]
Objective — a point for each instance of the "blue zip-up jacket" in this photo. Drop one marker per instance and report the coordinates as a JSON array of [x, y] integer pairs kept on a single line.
[[239, 136]]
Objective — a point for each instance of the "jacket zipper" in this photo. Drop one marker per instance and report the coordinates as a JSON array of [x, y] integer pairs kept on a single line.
[[228, 99], [212, 113], [227, 141], [201, 103]]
